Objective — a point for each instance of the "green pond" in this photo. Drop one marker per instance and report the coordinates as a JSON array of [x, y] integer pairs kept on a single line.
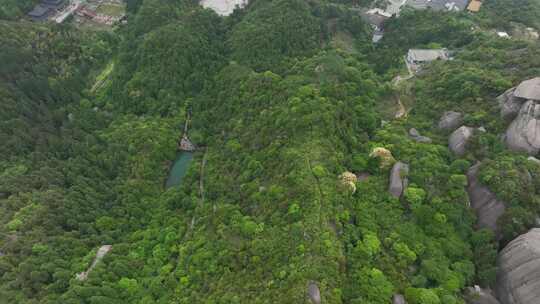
[[179, 169]]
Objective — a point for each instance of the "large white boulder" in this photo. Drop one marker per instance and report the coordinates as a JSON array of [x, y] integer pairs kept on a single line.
[[314, 293], [529, 89], [518, 275], [450, 120], [523, 134], [509, 104], [457, 143], [398, 179]]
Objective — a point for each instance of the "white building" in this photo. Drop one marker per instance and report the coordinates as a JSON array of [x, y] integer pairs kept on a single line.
[[223, 7]]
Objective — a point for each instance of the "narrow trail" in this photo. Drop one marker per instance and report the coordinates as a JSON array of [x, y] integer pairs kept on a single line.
[[402, 111], [101, 253], [201, 178], [102, 78]]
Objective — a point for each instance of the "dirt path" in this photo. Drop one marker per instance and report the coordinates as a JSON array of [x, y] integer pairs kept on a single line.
[[201, 178], [102, 78], [402, 111], [102, 251]]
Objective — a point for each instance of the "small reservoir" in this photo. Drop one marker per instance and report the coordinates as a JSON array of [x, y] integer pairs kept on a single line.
[[179, 168]]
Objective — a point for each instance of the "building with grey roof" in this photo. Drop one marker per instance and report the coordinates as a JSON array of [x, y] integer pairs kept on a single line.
[[39, 13], [375, 19], [438, 5], [45, 9], [53, 4]]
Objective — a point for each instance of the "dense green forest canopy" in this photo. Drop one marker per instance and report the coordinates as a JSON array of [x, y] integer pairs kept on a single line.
[[282, 98], [14, 9]]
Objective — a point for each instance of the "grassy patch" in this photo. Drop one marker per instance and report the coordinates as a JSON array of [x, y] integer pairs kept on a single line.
[[110, 9], [102, 77]]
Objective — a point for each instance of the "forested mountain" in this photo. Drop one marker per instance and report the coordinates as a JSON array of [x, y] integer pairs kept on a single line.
[[293, 112]]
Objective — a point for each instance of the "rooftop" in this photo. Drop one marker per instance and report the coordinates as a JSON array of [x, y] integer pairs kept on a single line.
[[529, 89], [223, 7], [417, 4], [474, 6], [38, 11], [438, 5], [374, 18], [54, 2]]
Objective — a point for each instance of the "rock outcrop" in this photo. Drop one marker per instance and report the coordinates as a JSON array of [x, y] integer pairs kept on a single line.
[[509, 104], [398, 299], [313, 293], [487, 207], [398, 179], [457, 143], [528, 89], [450, 120], [523, 134], [521, 106], [518, 275], [414, 134], [478, 295], [534, 160]]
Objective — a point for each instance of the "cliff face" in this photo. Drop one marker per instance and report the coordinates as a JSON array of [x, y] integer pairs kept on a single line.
[[518, 277]]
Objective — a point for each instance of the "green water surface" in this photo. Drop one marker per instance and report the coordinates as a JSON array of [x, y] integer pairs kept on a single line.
[[179, 169]]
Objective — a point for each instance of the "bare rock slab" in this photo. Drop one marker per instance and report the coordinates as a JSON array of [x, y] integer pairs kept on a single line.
[[523, 134], [314, 293], [398, 179], [398, 299], [450, 120], [518, 275], [487, 207], [457, 143]]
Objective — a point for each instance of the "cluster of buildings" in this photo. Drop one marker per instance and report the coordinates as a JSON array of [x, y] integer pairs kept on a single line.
[[60, 10], [377, 16]]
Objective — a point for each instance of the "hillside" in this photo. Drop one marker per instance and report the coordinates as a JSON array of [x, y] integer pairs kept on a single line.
[[302, 184]]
